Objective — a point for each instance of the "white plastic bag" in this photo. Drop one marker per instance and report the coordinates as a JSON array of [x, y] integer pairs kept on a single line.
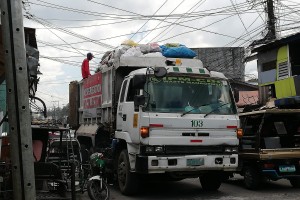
[[154, 47], [154, 54], [145, 48], [133, 51]]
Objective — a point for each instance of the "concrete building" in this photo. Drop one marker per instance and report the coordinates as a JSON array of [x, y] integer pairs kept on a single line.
[[278, 64], [228, 60]]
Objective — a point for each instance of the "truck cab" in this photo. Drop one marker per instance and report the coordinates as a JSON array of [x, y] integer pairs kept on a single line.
[[183, 114]]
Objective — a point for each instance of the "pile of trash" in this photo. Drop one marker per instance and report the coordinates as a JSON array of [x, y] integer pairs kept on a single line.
[[129, 48]]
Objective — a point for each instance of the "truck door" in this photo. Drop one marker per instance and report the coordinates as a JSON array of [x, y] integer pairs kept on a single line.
[[120, 105], [129, 119]]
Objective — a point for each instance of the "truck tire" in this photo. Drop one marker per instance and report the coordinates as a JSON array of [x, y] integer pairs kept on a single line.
[[295, 182], [252, 178], [210, 182], [128, 181]]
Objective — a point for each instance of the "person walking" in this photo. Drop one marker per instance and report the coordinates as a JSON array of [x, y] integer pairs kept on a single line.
[[85, 67]]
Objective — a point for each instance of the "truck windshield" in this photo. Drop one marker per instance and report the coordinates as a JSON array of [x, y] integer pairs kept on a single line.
[[193, 95]]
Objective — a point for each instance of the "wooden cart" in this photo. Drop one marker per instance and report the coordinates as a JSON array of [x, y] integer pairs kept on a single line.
[[270, 146]]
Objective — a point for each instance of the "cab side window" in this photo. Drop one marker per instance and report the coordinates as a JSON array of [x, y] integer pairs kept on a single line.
[[123, 90], [131, 92]]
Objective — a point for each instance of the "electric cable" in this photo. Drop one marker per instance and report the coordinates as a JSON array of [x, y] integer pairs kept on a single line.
[[148, 19], [238, 14], [161, 21], [194, 7]]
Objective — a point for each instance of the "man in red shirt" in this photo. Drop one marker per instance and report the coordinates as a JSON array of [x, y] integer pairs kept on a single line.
[[85, 68]]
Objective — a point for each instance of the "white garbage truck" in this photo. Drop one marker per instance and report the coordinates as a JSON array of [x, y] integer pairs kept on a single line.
[[160, 117]]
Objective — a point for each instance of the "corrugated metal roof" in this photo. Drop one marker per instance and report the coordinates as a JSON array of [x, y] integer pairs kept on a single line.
[[278, 42]]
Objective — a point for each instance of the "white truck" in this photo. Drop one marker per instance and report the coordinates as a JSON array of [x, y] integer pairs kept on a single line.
[[158, 115]]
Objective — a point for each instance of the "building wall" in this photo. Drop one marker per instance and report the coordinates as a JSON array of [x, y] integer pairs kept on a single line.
[[265, 57], [228, 60]]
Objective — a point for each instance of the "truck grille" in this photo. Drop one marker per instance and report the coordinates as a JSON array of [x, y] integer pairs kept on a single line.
[[190, 150]]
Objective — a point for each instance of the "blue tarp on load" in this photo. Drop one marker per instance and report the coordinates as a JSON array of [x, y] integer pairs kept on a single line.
[[177, 52]]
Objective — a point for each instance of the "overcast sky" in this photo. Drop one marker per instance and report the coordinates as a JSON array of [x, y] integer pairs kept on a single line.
[[67, 29]]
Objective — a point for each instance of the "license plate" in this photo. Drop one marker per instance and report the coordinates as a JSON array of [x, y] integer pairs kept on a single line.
[[195, 162], [287, 168]]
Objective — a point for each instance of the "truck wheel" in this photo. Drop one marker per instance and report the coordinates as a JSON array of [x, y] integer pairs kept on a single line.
[[128, 181], [295, 182], [252, 178], [210, 182]]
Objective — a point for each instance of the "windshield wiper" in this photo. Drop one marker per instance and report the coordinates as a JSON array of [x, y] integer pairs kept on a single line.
[[215, 109], [196, 107]]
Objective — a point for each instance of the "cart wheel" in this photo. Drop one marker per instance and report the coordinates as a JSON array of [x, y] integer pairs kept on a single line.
[[252, 178], [210, 182], [295, 182], [128, 181]]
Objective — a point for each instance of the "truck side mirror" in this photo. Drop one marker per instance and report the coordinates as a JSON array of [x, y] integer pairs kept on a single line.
[[236, 95], [139, 81], [139, 100], [160, 72]]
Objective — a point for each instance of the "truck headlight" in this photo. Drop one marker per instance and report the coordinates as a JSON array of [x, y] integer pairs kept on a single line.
[[235, 150], [149, 149], [227, 150], [159, 149], [231, 150], [154, 149]]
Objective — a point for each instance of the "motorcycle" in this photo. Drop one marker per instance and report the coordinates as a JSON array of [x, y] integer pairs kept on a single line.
[[97, 186]]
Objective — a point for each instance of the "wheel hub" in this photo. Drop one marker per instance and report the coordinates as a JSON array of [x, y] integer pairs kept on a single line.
[[122, 172]]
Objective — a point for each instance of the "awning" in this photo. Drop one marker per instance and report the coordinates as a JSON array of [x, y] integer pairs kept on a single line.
[[87, 130]]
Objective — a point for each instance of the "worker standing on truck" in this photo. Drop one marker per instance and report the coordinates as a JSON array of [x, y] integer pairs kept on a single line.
[[85, 67]]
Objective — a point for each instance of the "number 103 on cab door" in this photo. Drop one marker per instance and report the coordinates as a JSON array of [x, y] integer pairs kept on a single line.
[[197, 123]]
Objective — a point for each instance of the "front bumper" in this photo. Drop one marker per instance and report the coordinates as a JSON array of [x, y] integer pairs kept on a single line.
[[275, 175], [188, 163]]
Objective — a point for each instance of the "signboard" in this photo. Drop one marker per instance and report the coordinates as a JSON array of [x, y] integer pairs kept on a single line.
[[92, 95], [188, 80]]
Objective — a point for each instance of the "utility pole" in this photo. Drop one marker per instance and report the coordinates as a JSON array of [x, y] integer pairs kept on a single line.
[[271, 24], [271, 20], [17, 98]]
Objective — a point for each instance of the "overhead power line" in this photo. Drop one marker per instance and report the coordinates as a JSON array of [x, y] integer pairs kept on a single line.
[[162, 20], [186, 26], [91, 25], [148, 19], [68, 62], [238, 14], [48, 24], [161, 35]]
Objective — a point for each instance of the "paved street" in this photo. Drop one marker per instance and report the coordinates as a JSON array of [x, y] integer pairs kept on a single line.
[[191, 189]]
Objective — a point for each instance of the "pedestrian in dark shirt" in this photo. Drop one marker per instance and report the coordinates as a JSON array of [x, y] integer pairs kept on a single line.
[[85, 68]]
